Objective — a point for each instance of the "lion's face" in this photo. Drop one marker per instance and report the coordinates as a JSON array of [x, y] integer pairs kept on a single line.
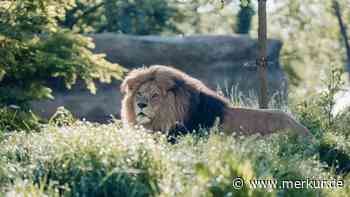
[[148, 100], [156, 98]]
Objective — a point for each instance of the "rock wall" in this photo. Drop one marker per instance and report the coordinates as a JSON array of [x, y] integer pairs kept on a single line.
[[219, 61]]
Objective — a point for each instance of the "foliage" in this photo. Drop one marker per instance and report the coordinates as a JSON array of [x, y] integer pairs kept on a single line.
[[14, 119], [332, 129], [244, 17], [319, 108], [85, 16], [62, 117], [139, 17], [35, 50], [206, 17], [154, 17], [311, 37]]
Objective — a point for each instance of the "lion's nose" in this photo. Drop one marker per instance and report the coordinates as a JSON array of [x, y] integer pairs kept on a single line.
[[142, 105]]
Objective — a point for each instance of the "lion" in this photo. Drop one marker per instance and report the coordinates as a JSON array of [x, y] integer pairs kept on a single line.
[[165, 99]]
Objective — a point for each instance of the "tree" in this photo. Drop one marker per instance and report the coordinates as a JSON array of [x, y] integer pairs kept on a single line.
[[34, 50]]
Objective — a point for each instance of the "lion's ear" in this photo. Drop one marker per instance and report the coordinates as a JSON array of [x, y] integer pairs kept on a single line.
[[127, 85], [175, 85]]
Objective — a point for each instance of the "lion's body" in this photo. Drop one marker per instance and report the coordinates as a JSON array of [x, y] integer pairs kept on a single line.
[[251, 121], [162, 99]]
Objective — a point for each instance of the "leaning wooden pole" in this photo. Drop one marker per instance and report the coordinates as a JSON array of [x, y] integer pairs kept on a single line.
[[262, 58]]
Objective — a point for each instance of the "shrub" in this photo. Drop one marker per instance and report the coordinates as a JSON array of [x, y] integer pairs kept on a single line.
[[332, 130]]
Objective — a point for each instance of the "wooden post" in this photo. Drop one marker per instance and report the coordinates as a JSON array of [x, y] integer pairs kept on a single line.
[[262, 58]]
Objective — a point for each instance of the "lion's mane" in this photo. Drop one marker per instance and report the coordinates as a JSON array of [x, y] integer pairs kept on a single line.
[[195, 105]]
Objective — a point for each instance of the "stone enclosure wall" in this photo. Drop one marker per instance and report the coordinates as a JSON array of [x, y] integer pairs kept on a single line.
[[220, 61]]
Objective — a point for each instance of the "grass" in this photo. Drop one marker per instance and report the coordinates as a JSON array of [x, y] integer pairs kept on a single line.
[[86, 159]]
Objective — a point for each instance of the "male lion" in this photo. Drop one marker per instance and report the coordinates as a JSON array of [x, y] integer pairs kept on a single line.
[[162, 98]]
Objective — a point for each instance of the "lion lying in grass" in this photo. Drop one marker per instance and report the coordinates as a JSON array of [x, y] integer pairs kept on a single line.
[[165, 99]]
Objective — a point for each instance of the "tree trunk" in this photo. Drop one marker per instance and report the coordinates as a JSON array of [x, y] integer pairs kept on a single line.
[[343, 32], [262, 59]]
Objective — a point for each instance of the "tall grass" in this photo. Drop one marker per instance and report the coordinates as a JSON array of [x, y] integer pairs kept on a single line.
[[87, 159]]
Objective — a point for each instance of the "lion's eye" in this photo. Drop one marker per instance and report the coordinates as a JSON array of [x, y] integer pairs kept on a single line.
[[154, 96], [138, 94]]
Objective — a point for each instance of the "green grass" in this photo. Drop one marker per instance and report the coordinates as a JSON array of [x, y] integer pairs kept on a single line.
[[86, 159]]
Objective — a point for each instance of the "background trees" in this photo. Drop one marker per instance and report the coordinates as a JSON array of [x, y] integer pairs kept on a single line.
[[137, 17], [297, 23], [311, 37]]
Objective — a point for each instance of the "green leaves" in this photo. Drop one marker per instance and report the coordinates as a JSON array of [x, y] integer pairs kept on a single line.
[[245, 3], [139, 17], [35, 50]]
